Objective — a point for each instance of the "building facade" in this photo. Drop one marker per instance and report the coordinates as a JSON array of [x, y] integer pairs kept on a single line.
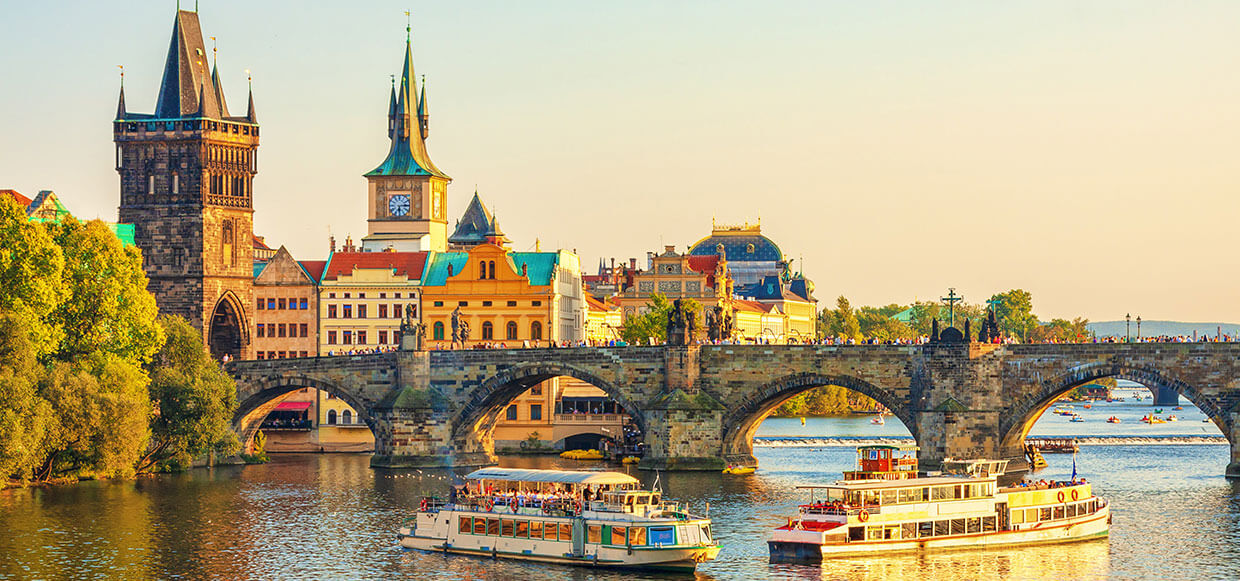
[[286, 309], [363, 297], [407, 197], [186, 182], [705, 279]]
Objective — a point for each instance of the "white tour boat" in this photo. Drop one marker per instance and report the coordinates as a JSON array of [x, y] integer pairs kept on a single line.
[[598, 519], [963, 509]]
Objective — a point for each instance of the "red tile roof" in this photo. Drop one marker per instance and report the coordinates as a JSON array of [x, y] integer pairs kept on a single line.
[[260, 243], [314, 268], [409, 264], [596, 305], [754, 306], [705, 264], [23, 200]]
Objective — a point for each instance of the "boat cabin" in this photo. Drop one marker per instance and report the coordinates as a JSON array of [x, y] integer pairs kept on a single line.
[[881, 462], [974, 468]]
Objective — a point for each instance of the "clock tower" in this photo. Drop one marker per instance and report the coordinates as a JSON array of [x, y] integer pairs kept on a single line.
[[407, 198]]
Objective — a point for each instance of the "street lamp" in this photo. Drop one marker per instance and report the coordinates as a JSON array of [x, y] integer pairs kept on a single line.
[[1138, 328], [1127, 327]]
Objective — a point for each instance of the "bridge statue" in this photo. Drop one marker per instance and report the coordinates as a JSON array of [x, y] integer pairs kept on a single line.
[[699, 406], [679, 324], [456, 327]]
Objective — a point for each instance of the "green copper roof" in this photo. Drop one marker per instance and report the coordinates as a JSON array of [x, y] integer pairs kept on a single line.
[[437, 268], [540, 266], [407, 156]]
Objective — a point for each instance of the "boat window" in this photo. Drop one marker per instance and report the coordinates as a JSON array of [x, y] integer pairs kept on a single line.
[[566, 531], [1044, 514], [480, 526], [705, 530], [973, 525], [856, 533], [939, 493], [957, 526], [1031, 515], [1071, 510], [688, 535], [654, 499], [959, 492], [643, 499], [493, 527], [909, 530], [619, 535], [662, 536], [925, 528], [594, 534], [1058, 512], [1018, 517], [889, 497], [942, 528], [912, 495], [637, 535], [549, 532], [891, 532], [536, 529], [506, 528], [874, 533], [466, 525], [988, 524], [523, 529]]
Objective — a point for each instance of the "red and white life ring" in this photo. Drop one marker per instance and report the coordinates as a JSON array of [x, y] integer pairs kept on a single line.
[[864, 515], [513, 505], [1060, 496], [488, 504], [1074, 494]]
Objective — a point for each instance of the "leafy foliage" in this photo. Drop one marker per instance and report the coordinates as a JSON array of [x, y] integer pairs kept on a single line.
[[638, 329]]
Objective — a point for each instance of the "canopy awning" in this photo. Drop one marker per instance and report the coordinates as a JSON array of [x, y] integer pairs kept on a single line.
[[293, 406], [557, 476]]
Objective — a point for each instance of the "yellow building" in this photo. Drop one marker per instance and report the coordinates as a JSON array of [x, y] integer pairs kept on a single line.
[[310, 420], [363, 296], [705, 279], [603, 321]]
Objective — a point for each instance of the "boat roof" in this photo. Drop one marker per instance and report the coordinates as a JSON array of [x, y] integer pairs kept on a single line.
[[903, 448], [558, 476], [903, 483]]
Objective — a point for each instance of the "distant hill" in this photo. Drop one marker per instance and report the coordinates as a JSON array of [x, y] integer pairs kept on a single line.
[[1158, 328]]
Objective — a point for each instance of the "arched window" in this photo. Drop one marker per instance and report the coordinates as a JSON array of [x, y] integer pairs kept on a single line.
[[437, 333], [228, 239], [488, 331], [512, 330], [482, 269], [492, 275], [346, 417], [331, 417], [536, 331]]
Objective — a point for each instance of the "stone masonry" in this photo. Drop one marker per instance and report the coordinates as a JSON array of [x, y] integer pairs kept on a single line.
[[699, 406]]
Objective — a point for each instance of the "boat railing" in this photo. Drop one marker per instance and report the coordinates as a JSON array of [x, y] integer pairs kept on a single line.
[[846, 510], [432, 504]]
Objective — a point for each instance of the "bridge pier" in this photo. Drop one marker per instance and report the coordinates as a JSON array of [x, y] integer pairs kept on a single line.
[[1165, 396], [1233, 469], [684, 425]]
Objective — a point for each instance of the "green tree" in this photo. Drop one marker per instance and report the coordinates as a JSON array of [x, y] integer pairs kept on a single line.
[[826, 322], [1015, 313], [24, 415], [877, 323], [193, 400], [845, 325], [653, 322], [30, 276]]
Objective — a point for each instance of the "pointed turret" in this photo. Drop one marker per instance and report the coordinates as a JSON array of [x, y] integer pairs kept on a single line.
[[392, 110], [423, 113], [185, 72], [407, 155], [218, 89], [202, 101], [250, 114], [120, 104], [475, 225]]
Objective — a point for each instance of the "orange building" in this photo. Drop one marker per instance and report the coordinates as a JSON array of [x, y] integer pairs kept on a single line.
[[286, 307]]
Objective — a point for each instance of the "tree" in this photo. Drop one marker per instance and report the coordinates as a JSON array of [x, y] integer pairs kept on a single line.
[[193, 400], [1015, 313], [30, 276], [845, 323], [653, 322], [877, 323], [23, 414]]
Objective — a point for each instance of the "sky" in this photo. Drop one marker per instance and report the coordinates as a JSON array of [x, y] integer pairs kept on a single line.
[[1084, 151]]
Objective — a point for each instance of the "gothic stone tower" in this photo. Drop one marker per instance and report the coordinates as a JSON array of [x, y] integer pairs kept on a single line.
[[407, 198], [186, 175]]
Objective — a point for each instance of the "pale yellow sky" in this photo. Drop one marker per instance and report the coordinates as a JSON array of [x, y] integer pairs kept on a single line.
[[1086, 152]]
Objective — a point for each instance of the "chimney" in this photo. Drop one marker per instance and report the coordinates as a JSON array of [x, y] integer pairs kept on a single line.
[[333, 243], [649, 261], [632, 264]]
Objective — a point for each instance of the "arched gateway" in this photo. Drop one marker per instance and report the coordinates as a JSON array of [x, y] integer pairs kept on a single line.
[[700, 405]]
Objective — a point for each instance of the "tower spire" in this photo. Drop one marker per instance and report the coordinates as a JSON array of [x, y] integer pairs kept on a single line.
[[423, 113], [216, 87], [408, 153], [250, 114], [120, 105], [392, 110]]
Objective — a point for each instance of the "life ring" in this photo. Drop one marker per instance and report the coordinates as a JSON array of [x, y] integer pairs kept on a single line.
[[1060, 496], [488, 504], [864, 515], [546, 507], [577, 507], [423, 506], [1074, 494], [513, 505]]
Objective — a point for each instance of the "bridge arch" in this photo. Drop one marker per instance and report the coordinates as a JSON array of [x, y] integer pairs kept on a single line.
[[1016, 424], [741, 422], [474, 421], [255, 400]]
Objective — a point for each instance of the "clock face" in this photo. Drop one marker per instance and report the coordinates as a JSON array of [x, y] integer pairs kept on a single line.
[[398, 205]]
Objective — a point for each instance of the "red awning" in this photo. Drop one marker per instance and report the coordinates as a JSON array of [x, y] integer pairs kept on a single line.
[[296, 406]]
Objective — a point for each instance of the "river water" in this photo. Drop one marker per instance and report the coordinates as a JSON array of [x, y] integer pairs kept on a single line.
[[333, 517]]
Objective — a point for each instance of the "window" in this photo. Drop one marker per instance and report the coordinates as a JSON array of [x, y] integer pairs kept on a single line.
[[493, 527], [462, 303], [637, 536], [465, 525], [522, 529], [566, 531], [488, 331], [536, 331], [511, 333], [258, 331], [150, 184], [397, 295], [480, 526], [382, 311], [283, 355], [361, 295], [346, 417], [535, 411], [348, 311], [536, 530], [227, 238], [512, 303], [331, 311], [594, 534], [280, 328], [271, 304], [346, 295], [281, 305], [361, 337], [482, 269], [361, 311], [331, 337], [261, 304], [486, 303], [305, 304], [549, 532], [536, 390], [537, 303], [176, 183], [438, 303], [348, 337], [305, 330], [383, 337], [331, 295], [331, 417], [491, 275], [512, 412], [619, 535], [437, 332], [395, 311], [303, 354]]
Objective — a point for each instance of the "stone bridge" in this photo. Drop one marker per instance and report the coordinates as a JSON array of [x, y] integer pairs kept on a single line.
[[700, 405]]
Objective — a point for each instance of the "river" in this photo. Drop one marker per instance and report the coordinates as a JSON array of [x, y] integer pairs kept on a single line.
[[332, 516]]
